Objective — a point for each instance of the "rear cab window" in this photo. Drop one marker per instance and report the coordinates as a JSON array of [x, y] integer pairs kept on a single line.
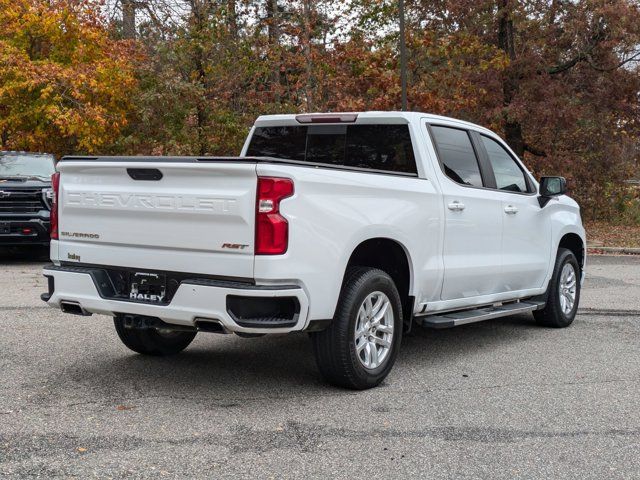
[[381, 148]]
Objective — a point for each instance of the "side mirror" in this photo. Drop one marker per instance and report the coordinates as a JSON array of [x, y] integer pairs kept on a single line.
[[551, 187]]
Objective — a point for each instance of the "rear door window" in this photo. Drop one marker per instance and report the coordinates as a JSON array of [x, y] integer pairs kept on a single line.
[[375, 147], [457, 156], [509, 176]]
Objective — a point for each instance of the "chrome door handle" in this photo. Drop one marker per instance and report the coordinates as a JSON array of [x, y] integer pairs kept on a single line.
[[511, 210], [456, 206]]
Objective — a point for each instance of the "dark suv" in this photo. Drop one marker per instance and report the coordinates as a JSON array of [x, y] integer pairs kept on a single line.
[[25, 198]]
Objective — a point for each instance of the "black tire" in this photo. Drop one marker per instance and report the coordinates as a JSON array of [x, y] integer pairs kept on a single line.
[[552, 315], [335, 347], [149, 341]]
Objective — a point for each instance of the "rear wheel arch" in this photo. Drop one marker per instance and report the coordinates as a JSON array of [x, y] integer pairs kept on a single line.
[[391, 257]]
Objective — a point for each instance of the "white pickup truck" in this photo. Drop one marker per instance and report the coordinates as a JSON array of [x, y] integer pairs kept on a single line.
[[351, 226]]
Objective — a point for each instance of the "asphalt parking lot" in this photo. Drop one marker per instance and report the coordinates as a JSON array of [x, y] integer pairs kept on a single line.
[[500, 399]]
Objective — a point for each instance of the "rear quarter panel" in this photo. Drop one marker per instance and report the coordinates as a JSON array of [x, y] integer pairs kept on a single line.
[[333, 211]]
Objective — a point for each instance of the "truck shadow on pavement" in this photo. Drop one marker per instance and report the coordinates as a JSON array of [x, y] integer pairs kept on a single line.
[[226, 370], [27, 255]]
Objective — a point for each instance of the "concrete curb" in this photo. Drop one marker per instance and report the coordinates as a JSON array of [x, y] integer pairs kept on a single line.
[[609, 312], [622, 250]]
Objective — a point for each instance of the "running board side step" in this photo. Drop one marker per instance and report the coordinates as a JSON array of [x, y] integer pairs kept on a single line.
[[453, 319]]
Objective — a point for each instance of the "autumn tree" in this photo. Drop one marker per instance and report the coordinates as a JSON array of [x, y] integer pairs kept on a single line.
[[222, 72], [64, 84], [559, 80]]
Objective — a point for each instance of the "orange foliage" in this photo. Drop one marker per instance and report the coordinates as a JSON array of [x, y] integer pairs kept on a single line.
[[65, 85]]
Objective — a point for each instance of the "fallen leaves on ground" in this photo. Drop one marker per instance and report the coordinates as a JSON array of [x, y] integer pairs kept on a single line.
[[603, 234]]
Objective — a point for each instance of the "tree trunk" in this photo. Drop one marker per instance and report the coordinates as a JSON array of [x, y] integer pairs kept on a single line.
[[273, 35], [403, 57], [129, 18], [200, 11], [232, 18], [272, 21], [510, 79], [309, 84]]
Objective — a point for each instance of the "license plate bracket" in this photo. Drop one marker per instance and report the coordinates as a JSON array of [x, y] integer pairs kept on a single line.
[[148, 287]]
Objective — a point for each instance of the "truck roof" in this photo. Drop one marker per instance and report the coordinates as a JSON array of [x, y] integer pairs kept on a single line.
[[19, 152], [363, 118]]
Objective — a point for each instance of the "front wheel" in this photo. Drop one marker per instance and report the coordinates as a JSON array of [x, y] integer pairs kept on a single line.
[[149, 341], [563, 293], [360, 347]]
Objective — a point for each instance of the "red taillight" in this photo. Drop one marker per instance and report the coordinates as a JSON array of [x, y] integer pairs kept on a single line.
[[55, 183], [272, 229]]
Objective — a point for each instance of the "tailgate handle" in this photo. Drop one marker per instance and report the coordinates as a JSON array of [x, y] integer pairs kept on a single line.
[[145, 173]]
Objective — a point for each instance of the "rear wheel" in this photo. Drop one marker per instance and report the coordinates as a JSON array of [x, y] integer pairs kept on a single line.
[[563, 293], [149, 341], [359, 349]]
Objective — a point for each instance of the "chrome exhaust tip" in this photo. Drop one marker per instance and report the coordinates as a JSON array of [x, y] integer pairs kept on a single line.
[[73, 308]]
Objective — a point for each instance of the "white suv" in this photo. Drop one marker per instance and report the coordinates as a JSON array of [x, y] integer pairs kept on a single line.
[[353, 226]]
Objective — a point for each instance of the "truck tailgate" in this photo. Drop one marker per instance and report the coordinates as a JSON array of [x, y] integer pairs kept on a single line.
[[198, 217]]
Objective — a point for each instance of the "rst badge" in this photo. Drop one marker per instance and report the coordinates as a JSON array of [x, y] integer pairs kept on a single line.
[[235, 246]]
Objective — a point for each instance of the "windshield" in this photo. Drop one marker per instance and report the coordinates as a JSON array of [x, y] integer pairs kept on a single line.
[[13, 165]]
